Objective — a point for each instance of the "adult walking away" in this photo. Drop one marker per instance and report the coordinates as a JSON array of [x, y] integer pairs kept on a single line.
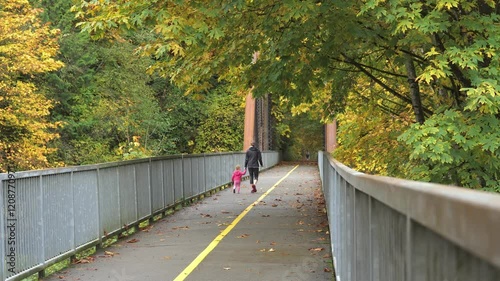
[[253, 158]]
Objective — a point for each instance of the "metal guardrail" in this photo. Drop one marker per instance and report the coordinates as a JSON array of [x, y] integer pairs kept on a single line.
[[388, 229], [49, 215]]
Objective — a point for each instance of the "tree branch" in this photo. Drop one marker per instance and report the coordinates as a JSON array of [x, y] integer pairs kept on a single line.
[[382, 84]]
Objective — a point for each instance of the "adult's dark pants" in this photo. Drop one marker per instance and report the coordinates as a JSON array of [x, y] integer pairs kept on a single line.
[[254, 174]]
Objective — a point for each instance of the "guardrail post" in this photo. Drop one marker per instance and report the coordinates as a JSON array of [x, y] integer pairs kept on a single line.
[[204, 173], [72, 186], [408, 248], [119, 196], [42, 227], [370, 230], [354, 250], [182, 179], [136, 197], [150, 187], [99, 219], [151, 207]]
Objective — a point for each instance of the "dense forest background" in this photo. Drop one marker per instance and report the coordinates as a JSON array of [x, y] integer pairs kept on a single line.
[[98, 103], [413, 85]]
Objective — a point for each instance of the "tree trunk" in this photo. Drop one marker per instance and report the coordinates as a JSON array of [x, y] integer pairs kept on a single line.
[[416, 102]]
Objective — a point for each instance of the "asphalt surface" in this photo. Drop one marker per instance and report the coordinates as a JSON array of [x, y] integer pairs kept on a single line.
[[279, 236]]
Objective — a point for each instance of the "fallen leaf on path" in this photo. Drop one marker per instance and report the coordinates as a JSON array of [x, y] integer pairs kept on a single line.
[[323, 224], [274, 205], [227, 268], [108, 253], [243, 236], [85, 260], [327, 270], [316, 249], [166, 257], [133, 240], [271, 250]]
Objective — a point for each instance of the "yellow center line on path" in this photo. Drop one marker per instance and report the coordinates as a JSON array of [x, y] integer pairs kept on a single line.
[[185, 273]]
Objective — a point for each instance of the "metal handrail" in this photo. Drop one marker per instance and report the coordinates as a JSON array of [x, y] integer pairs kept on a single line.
[[386, 228], [52, 214]]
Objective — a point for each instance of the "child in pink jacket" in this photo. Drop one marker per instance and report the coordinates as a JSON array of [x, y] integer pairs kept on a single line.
[[236, 178]]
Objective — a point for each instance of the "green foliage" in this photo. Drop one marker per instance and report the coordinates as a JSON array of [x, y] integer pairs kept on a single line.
[[281, 114], [222, 128], [196, 40], [58, 13], [305, 136], [114, 105], [458, 42], [456, 147], [313, 56], [367, 137], [186, 114]]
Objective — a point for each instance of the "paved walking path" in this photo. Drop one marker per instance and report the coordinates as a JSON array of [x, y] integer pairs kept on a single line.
[[278, 233]]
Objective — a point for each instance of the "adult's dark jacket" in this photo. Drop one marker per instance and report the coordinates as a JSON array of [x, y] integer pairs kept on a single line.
[[253, 158]]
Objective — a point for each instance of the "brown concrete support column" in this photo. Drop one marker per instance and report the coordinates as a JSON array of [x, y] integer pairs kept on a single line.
[[248, 135], [331, 136]]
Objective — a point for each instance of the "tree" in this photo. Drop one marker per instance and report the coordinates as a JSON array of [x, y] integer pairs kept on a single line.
[[222, 128], [459, 143], [113, 114], [368, 131], [110, 107], [27, 49], [436, 56], [305, 136]]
